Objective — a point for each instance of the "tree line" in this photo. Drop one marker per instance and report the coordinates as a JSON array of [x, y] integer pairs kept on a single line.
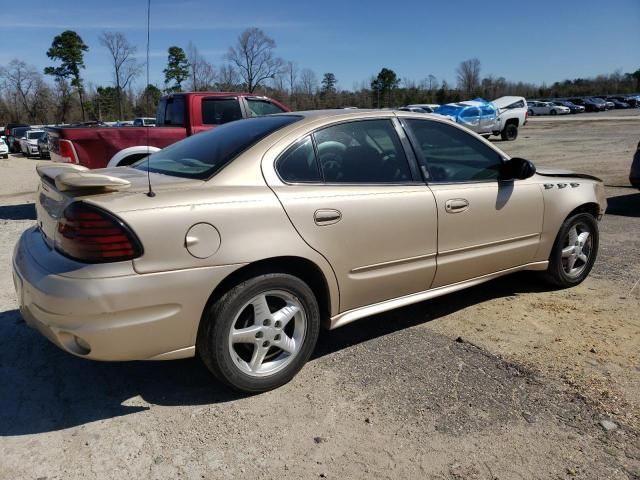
[[250, 65]]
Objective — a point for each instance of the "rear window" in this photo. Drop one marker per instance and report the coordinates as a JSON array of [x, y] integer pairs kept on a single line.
[[171, 111], [34, 135], [203, 155]]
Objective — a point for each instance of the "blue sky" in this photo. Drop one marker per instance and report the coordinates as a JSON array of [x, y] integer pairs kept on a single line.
[[541, 41]]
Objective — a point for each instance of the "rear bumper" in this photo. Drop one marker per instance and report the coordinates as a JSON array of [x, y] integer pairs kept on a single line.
[[124, 317]]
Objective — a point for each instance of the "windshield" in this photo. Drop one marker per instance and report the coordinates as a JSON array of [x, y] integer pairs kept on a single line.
[[34, 135], [204, 154]]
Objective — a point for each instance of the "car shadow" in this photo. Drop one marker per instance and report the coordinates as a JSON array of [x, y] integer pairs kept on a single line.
[[624, 205], [427, 311], [24, 211], [45, 389]]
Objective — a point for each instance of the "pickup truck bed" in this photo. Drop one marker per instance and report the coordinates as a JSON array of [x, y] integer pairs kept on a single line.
[[178, 116]]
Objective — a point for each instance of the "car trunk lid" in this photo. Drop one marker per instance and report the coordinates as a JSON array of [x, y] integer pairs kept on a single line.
[[62, 184]]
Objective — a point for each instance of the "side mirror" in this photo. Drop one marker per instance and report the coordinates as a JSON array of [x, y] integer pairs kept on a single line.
[[517, 169]]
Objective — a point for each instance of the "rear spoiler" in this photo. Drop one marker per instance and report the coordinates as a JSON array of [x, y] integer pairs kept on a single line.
[[68, 177]]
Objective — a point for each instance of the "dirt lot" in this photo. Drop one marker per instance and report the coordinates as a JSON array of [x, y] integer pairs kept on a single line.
[[507, 380]]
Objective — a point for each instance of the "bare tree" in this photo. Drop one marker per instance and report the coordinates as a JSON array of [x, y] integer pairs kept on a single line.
[[291, 69], [125, 66], [308, 81], [468, 75], [203, 74], [26, 91], [253, 57], [228, 78]]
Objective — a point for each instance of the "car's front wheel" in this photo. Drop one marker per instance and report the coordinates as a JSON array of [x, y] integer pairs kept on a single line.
[[574, 251], [260, 333], [554, 112]]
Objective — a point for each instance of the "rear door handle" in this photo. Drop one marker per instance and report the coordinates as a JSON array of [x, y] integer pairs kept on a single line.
[[456, 205], [327, 216]]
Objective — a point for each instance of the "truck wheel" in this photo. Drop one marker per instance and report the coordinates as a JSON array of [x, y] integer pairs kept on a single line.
[[510, 132]]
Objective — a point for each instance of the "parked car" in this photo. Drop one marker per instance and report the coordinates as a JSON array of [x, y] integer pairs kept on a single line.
[[178, 116], [618, 104], [603, 104], [144, 122], [632, 100], [547, 108], [14, 136], [423, 109], [29, 142], [501, 117], [588, 104], [425, 106], [4, 149], [281, 223], [634, 173], [573, 108], [43, 146]]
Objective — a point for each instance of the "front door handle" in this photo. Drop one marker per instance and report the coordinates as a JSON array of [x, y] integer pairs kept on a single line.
[[456, 205], [327, 216]]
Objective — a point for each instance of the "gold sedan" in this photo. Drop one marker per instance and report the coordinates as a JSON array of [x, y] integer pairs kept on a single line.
[[238, 243]]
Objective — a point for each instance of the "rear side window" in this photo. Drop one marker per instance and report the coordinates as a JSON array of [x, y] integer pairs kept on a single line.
[[366, 151], [470, 113], [453, 155], [258, 107], [298, 164], [216, 111]]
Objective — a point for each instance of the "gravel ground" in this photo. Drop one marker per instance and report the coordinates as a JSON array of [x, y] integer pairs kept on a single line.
[[506, 380]]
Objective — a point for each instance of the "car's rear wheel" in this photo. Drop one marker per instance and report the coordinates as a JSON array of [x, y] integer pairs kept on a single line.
[[531, 113], [574, 251], [260, 333], [510, 132]]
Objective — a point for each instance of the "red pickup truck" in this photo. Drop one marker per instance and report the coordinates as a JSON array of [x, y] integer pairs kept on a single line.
[[178, 116]]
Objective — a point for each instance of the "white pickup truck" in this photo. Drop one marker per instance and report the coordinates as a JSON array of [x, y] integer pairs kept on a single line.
[[502, 117]]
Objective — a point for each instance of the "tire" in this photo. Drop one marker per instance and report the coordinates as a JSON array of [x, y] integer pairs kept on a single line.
[[565, 249], [509, 132], [485, 136], [238, 363], [553, 112], [531, 114]]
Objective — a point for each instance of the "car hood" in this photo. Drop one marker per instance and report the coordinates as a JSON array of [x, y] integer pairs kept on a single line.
[[560, 173]]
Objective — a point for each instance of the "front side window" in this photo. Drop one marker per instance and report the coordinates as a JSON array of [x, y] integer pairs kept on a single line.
[[258, 107], [298, 163], [203, 155], [367, 151], [218, 111], [453, 155]]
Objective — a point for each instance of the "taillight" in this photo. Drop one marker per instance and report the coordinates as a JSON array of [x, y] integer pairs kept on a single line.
[[67, 152], [92, 235]]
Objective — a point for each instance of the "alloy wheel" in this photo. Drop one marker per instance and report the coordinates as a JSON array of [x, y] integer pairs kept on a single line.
[[267, 333]]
